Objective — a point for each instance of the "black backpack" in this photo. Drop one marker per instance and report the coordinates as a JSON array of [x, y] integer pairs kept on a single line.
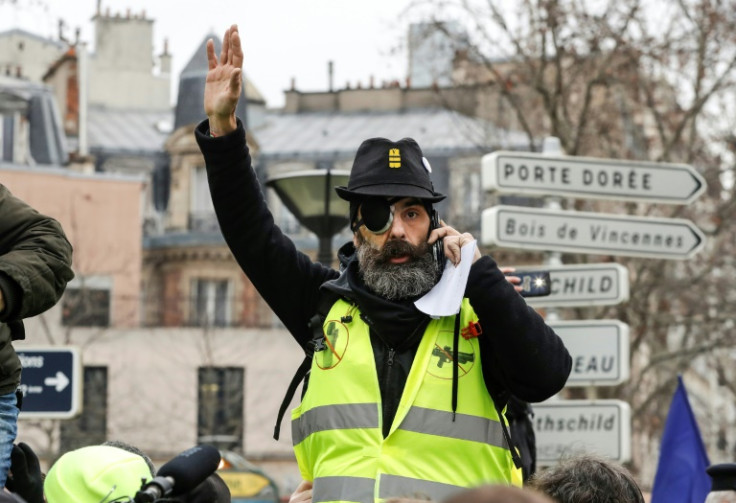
[[519, 415]]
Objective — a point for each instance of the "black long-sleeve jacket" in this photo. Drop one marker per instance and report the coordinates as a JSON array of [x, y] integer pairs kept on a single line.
[[519, 352]]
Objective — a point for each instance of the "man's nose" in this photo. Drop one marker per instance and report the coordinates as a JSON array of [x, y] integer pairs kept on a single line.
[[397, 230]]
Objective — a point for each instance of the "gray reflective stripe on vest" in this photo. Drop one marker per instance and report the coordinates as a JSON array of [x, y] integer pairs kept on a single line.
[[465, 427], [334, 417], [393, 486], [418, 420], [358, 489]]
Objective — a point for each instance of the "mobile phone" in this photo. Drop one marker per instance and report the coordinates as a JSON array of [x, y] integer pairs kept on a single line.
[[438, 248], [533, 283]]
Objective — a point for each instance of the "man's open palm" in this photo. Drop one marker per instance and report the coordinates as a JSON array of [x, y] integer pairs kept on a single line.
[[224, 82]]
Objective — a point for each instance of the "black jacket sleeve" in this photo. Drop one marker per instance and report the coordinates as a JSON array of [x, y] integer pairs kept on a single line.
[[519, 350], [286, 278]]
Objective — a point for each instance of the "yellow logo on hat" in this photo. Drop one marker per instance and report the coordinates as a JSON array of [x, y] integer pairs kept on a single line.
[[394, 158]]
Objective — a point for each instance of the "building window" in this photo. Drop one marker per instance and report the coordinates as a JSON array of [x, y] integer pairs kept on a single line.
[[86, 302], [201, 212], [220, 407], [90, 427], [210, 306]]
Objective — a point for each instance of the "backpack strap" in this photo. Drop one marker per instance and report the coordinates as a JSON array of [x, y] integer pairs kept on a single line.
[[506, 435], [500, 396], [326, 300]]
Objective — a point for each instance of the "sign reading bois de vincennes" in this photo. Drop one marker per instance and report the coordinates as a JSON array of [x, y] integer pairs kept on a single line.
[[565, 427], [590, 177], [587, 232]]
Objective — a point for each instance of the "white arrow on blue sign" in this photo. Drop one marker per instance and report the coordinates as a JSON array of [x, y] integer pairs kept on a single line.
[[51, 381], [590, 177], [588, 232]]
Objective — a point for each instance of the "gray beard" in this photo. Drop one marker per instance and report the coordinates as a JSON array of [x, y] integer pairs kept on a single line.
[[397, 281]]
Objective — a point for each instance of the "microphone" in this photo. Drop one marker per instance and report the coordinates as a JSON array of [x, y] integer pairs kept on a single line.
[[181, 474]]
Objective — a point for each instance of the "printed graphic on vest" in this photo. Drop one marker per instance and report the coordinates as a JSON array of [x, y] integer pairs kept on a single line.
[[330, 350], [441, 361]]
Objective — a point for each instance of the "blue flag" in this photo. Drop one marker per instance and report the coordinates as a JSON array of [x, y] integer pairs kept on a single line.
[[681, 475]]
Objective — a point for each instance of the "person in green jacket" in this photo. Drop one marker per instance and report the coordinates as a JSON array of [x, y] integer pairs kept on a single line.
[[35, 266]]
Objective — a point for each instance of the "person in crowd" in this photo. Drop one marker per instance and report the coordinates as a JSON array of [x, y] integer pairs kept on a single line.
[[25, 478], [499, 494], [135, 450], [10, 497], [35, 266], [723, 487], [212, 490], [95, 474], [398, 402], [587, 478]]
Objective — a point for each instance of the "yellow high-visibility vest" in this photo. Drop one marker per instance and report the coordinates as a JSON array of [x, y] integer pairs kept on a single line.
[[337, 429]]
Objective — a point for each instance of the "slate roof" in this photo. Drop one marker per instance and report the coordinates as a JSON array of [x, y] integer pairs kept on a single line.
[[128, 131], [337, 135]]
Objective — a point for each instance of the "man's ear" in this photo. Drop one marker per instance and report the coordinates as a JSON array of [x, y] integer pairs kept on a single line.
[[356, 240]]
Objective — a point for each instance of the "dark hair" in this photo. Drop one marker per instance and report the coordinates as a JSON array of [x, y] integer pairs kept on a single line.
[[498, 494], [587, 478]]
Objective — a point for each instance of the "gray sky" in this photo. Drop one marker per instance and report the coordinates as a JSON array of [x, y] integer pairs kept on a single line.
[[282, 38]]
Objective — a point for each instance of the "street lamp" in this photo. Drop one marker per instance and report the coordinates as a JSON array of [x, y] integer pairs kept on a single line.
[[311, 198]]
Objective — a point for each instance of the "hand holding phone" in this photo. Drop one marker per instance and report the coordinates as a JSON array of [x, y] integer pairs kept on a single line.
[[531, 283], [438, 248]]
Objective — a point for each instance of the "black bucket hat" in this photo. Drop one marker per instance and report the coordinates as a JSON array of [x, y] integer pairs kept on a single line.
[[386, 168]]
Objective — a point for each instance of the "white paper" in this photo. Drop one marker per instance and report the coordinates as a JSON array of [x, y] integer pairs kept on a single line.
[[447, 295]]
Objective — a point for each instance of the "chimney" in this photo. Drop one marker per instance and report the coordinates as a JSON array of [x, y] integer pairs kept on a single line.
[[165, 58], [330, 75], [293, 84]]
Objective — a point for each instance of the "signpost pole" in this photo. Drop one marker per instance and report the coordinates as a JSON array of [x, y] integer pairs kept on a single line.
[[552, 146]]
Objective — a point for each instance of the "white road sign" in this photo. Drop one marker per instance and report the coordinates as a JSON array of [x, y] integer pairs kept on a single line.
[[599, 351], [565, 427], [587, 232], [590, 177], [573, 285]]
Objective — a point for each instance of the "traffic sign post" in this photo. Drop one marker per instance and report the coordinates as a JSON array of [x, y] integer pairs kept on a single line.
[[50, 382], [587, 232], [599, 351], [576, 285], [590, 177], [565, 427]]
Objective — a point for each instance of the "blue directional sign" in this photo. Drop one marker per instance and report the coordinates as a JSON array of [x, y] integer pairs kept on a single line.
[[51, 382]]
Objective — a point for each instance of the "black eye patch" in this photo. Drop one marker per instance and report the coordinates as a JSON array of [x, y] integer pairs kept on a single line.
[[376, 215]]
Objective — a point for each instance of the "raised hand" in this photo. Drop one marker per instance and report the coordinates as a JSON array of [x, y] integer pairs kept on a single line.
[[223, 86]]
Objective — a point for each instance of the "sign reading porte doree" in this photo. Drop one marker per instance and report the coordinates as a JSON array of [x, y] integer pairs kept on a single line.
[[565, 427], [588, 232], [590, 177]]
